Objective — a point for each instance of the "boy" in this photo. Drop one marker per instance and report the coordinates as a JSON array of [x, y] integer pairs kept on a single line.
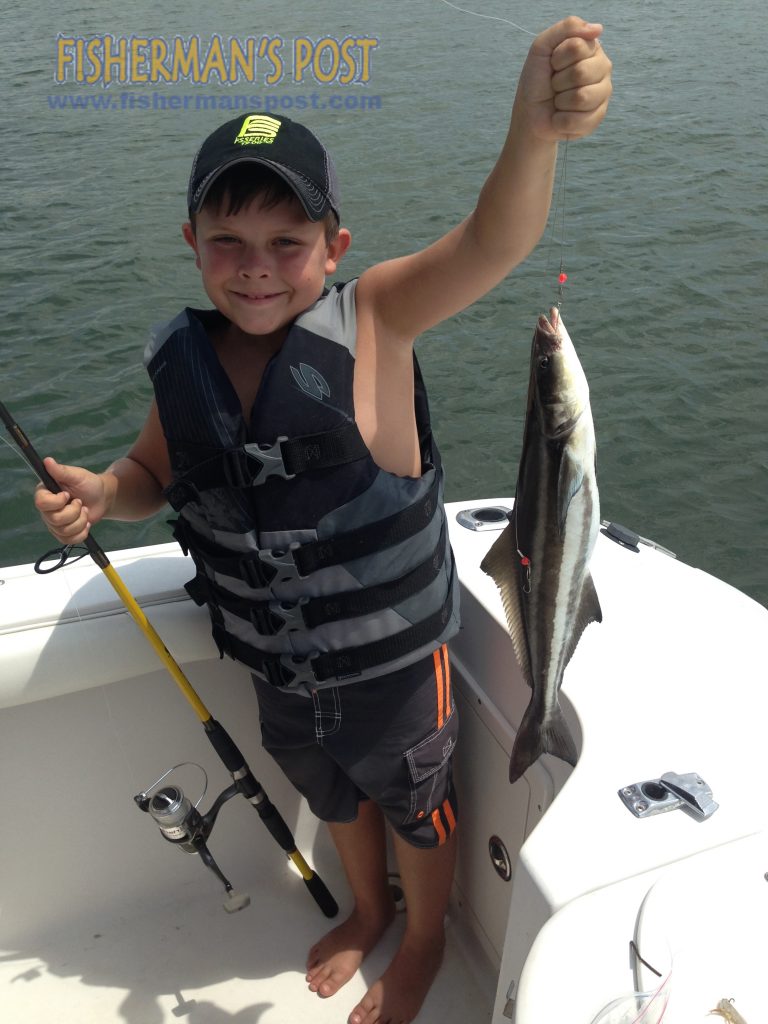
[[290, 432]]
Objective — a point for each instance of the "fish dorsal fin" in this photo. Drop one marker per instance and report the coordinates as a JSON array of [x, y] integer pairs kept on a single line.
[[501, 564], [569, 481], [589, 611]]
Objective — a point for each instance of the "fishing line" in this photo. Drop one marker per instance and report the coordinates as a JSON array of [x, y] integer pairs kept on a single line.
[[562, 277], [559, 206], [56, 557], [490, 17], [15, 451]]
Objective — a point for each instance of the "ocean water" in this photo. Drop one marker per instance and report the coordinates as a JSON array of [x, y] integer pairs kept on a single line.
[[664, 240]]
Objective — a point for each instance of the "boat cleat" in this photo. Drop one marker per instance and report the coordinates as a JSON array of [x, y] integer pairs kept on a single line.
[[655, 796]]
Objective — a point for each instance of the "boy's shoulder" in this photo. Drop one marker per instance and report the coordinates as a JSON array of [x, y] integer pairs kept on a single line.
[[333, 314], [209, 322]]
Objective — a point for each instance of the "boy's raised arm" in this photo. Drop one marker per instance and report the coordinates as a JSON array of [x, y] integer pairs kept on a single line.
[[563, 93]]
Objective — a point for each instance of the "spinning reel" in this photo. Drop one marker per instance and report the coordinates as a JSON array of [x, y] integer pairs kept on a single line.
[[181, 823]]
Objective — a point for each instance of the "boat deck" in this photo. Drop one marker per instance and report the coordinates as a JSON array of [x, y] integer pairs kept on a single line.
[[192, 961]]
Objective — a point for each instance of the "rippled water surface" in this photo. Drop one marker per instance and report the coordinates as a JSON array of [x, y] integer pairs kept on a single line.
[[666, 233]]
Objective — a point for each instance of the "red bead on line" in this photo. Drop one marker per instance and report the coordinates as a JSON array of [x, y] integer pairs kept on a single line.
[[525, 561], [562, 278]]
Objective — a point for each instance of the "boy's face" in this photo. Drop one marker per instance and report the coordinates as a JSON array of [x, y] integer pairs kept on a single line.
[[263, 267]]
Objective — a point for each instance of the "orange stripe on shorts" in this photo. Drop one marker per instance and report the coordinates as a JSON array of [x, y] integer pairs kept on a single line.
[[447, 681], [449, 815], [439, 828], [440, 696]]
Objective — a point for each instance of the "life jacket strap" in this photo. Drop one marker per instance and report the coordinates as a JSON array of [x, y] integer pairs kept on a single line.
[[260, 568], [273, 617], [369, 539], [282, 670], [247, 566], [253, 463]]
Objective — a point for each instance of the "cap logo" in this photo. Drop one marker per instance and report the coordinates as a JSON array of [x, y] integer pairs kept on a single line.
[[257, 129]]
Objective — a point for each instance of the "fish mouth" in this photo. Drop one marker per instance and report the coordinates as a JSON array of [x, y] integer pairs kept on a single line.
[[548, 334]]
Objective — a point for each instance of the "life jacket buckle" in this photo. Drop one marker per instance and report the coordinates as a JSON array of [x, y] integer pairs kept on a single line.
[[281, 561], [262, 462], [291, 614], [288, 670]]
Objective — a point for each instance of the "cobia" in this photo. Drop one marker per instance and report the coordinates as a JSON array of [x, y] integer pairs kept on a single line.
[[540, 561]]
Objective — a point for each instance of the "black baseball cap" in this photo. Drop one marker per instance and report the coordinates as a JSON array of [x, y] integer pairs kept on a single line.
[[286, 147]]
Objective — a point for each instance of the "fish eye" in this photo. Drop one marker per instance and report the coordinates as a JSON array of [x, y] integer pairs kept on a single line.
[[544, 362]]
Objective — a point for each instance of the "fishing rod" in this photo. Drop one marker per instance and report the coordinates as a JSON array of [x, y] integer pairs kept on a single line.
[[179, 821]]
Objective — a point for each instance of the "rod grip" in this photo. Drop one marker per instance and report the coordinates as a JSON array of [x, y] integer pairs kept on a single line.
[[322, 896], [278, 829], [224, 745]]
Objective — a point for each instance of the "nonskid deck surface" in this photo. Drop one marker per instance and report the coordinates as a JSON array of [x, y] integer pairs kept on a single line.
[[193, 962]]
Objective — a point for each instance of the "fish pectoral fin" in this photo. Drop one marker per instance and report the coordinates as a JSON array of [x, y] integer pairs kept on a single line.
[[589, 609], [569, 481], [502, 565]]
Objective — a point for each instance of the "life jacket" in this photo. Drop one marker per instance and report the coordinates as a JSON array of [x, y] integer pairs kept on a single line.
[[318, 568]]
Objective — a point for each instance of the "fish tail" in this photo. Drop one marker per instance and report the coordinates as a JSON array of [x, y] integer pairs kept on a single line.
[[534, 739]]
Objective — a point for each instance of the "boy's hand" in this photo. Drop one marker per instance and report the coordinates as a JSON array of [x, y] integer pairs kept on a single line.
[[565, 83], [80, 502], [563, 93]]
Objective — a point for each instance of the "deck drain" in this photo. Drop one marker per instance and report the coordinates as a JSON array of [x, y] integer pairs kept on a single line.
[[397, 892], [502, 864]]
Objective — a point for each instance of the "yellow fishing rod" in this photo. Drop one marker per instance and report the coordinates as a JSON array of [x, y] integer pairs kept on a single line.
[[180, 822]]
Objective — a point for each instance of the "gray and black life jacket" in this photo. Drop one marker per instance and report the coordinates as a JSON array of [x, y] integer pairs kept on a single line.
[[318, 568]]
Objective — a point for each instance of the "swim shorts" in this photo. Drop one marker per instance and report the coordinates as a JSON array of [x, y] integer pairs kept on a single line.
[[388, 739]]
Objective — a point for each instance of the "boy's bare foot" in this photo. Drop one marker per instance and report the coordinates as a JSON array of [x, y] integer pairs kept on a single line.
[[336, 957], [397, 996]]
